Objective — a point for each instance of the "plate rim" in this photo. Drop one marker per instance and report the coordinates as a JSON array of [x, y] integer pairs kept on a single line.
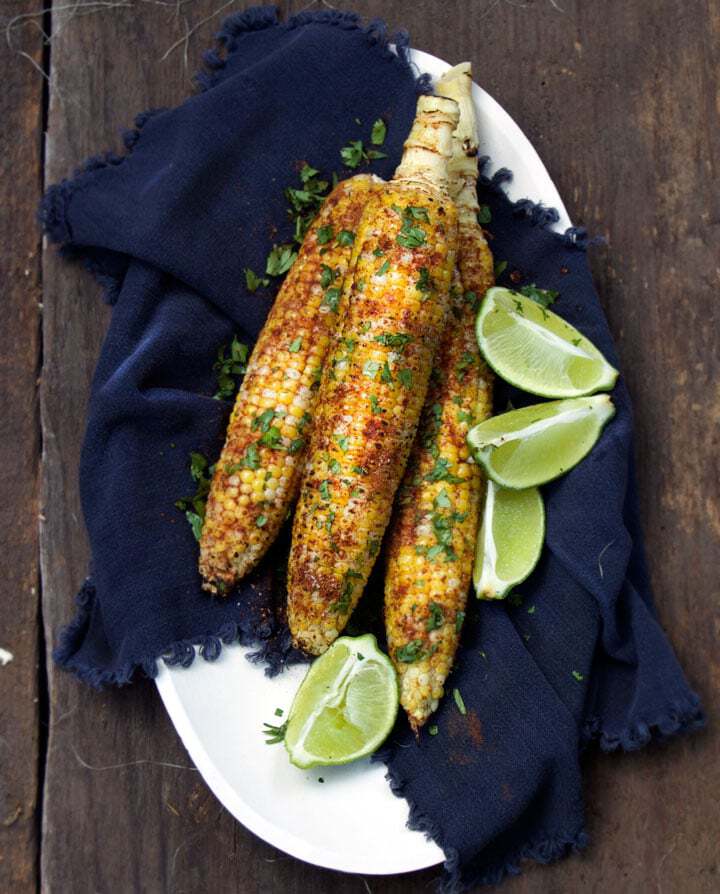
[[272, 834]]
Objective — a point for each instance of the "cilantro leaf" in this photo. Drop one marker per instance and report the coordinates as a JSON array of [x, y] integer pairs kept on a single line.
[[327, 276], [379, 132], [345, 237], [228, 365], [393, 339], [436, 617], [543, 297], [331, 298], [352, 154], [253, 281], [410, 652], [280, 260]]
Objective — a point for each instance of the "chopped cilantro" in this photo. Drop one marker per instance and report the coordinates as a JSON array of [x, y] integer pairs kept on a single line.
[[360, 470], [378, 252], [280, 260], [251, 460], [196, 523], [472, 299], [543, 297], [433, 730], [325, 490], [459, 701], [274, 734], [531, 610], [334, 466], [343, 603], [324, 235], [261, 521], [459, 618], [484, 216], [263, 421], [296, 445], [373, 546], [393, 339], [436, 617], [383, 268], [442, 500], [424, 283], [412, 213], [371, 369], [386, 374], [194, 507], [253, 281], [331, 298], [227, 365], [410, 652], [441, 472], [578, 676], [345, 237], [352, 154], [327, 276], [272, 438], [295, 345], [379, 131], [410, 237], [461, 367], [343, 442], [405, 377], [464, 416], [375, 407]]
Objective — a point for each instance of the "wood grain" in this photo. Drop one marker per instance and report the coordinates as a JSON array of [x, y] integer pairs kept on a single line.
[[20, 183], [620, 101]]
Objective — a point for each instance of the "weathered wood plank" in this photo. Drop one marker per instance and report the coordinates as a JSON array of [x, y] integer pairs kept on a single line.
[[20, 181], [589, 99]]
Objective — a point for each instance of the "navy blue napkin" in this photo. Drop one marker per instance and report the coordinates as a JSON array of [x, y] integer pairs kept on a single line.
[[168, 229]]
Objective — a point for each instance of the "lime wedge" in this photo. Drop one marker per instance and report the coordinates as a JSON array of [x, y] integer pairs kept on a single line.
[[527, 447], [510, 540], [536, 350], [345, 707]]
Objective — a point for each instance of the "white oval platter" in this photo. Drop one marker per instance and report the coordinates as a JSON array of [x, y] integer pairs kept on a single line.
[[351, 821]]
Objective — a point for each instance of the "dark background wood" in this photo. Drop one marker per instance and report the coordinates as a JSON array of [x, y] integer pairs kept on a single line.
[[621, 101]]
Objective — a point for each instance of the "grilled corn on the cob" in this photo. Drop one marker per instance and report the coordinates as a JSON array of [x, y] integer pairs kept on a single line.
[[375, 381], [258, 473], [435, 524]]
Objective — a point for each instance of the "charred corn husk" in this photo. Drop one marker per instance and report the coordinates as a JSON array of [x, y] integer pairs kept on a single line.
[[258, 473], [374, 383], [435, 524]]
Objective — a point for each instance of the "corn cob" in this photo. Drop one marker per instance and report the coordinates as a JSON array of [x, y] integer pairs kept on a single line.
[[435, 525], [374, 383], [258, 473]]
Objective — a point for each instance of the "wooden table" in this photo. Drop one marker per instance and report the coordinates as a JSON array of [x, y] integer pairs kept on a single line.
[[620, 99]]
